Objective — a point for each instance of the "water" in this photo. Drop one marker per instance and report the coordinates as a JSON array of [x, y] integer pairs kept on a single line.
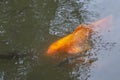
[[28, 27]]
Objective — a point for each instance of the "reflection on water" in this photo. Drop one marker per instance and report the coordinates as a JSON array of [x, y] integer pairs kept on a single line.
[[68, 15], [81, 71], [27, 27]]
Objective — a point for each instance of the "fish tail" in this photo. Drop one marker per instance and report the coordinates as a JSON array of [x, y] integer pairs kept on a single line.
[[102, 24]]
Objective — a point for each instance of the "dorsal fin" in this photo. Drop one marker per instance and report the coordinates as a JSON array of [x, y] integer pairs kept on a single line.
[[78, 28]]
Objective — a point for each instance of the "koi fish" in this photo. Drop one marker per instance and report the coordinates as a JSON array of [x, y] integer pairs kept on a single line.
[[78, 40]]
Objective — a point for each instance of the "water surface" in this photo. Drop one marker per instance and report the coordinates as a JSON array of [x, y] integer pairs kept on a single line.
[[28, 27]]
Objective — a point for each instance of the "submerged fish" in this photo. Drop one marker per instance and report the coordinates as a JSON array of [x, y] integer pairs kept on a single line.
[[78, 40]]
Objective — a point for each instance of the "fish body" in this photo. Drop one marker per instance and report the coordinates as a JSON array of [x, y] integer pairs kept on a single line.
[[71, 43], [78, 40]]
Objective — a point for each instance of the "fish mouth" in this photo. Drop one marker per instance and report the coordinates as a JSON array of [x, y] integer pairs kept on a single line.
[[50, 51]]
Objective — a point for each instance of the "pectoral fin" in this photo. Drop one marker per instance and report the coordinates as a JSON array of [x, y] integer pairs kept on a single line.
[[74, 50]]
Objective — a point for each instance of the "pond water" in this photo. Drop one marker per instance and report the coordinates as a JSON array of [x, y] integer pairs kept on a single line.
[[28, 27]]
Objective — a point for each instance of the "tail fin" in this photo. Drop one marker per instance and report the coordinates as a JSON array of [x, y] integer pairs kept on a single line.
[[102, 24]]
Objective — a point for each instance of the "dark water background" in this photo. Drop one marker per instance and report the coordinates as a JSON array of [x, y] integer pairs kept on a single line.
[[28, 27]]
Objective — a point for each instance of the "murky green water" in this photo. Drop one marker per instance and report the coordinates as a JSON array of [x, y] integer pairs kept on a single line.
[[28, 27]]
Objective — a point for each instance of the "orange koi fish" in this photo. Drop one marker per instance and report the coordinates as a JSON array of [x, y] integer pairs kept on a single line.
[[77, 41]]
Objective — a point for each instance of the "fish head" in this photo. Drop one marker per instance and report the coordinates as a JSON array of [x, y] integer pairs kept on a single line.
[[53, 49], [60, 45]]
